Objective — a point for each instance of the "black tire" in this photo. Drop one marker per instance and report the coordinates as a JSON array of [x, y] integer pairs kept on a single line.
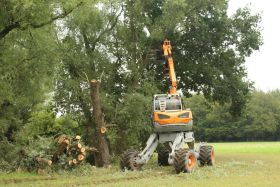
[[128, 160], [184, 161], [206, 155], [163, 155]]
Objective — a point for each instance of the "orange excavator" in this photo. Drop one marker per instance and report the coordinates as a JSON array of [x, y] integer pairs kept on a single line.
[[173, 128]]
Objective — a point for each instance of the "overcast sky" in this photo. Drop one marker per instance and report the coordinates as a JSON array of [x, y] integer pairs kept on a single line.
[[264, 65]]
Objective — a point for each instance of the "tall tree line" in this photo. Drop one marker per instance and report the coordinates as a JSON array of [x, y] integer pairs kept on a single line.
[[259, 122]]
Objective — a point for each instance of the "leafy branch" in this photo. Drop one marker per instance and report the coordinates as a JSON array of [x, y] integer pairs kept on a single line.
[[18, 24]]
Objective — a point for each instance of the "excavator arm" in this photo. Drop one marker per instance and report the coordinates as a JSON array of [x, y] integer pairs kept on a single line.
[[166, 47]]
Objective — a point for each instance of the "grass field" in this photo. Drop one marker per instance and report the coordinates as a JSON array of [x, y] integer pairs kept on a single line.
[[237, 164]]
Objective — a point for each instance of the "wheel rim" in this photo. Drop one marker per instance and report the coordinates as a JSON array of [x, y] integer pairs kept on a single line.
[[191, 161], [134, 165], [212, 155]]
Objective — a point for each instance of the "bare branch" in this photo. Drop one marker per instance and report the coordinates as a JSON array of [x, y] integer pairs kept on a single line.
[[63, 15], [17, 25], [108, 28], [8, 29]]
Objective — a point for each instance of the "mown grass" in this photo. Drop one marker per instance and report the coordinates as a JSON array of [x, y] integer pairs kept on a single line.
[[248, 147], [237, 164]]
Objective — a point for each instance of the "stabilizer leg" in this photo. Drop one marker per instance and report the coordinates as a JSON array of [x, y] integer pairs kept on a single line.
[[151, 146], [177, 144]]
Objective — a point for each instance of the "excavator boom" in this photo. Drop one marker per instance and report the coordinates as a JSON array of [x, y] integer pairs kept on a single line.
[[167, 53]]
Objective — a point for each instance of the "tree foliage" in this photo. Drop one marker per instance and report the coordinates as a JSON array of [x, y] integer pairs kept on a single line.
[[50, 50], [211, 51], [213, 122], [28, 57]]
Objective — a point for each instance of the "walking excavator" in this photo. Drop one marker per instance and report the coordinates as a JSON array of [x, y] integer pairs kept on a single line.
[[172, 127]]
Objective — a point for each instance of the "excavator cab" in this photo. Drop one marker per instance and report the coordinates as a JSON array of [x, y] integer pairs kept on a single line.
[[169, 102], [168, 114]]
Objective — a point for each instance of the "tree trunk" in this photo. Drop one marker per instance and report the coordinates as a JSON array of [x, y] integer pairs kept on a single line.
[[102, 146]]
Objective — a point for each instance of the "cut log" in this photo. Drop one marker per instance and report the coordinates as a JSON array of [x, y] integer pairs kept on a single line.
[[82, 150], [79, 146], [77, 137], [74, 161], [76, 146], [65, 142], [49, 162], [70, 162], [43, 161], [81, 157], [61, 138]]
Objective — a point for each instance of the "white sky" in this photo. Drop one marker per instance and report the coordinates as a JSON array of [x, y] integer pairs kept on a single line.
[[264, 65]]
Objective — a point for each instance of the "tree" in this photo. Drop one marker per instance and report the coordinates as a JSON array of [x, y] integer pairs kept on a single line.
[[27, 58], [213, 122], [262, 116], [210, 50], [103, 149], [24, 15], [209, 47], [25, 77], [84, 56]]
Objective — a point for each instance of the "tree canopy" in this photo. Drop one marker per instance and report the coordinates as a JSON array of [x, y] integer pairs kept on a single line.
[[49, 50]]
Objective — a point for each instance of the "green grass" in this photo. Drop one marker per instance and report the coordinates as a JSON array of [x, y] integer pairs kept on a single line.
[[237, 164], [251, 147]]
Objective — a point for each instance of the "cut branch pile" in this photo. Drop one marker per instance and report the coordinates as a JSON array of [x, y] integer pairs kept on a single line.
[[65, 152], [70, 150]]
